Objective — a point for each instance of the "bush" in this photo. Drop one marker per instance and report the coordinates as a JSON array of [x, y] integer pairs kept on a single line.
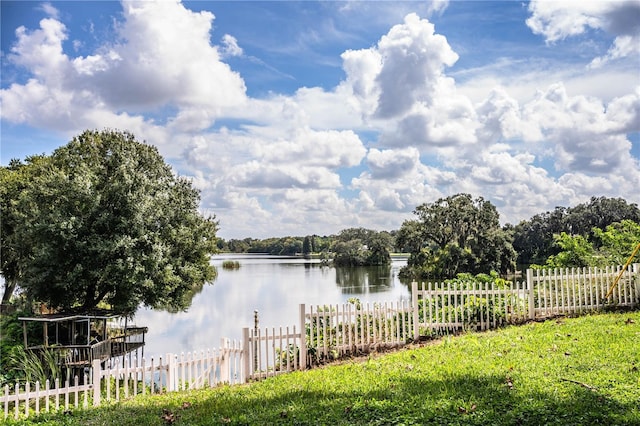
[[230, 264]]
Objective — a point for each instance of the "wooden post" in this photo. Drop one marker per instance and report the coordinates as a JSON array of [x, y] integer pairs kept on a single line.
[[415, 307], [95, 365], [532, 307], [246, 354], [303, 338], [635, 268], [171, 374], [255, 340], [225, 362]]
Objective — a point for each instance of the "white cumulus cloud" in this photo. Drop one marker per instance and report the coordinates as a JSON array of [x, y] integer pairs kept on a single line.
[[557, 20]]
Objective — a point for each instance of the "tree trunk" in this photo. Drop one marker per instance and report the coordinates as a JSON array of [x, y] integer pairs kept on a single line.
[[9, 287]]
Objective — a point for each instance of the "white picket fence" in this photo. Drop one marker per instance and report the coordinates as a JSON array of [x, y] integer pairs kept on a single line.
[[572, 291], [272, 352], [325, 333], [45, 399], [449, 308], [130, 377], [339, 331]]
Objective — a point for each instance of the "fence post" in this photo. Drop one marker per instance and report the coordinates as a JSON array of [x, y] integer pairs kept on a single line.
[[414, 310], [635, 268], [171, 373], [246, 354], [530, 293], [303, 338], [256, 341], [225, 361], [96, 370]]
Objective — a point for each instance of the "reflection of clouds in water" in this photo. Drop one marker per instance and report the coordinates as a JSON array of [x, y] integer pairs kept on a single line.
[[274, 288]]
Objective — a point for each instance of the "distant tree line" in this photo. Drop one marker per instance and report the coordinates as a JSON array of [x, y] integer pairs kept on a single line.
[[284, 246], [460, 234], [350, 247]]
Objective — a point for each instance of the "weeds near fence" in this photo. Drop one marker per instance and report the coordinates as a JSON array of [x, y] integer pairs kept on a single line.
[[35, 366], [334, 332]]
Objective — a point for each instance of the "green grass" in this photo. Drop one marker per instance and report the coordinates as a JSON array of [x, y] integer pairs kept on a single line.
[[573, 371]]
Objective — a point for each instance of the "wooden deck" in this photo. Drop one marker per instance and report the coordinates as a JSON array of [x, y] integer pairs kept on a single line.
[[67, 337], [83, 355]]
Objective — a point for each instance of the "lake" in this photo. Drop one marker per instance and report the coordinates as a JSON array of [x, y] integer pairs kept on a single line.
[[275, 287]]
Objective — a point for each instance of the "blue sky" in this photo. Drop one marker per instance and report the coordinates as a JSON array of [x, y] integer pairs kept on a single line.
[[295, 118]]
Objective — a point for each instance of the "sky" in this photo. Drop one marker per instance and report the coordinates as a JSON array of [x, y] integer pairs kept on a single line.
[[299, 118]]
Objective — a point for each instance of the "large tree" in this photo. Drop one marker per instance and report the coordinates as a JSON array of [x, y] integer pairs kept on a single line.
[[360, 246], [14, 179], [456, 234], [105, 220]]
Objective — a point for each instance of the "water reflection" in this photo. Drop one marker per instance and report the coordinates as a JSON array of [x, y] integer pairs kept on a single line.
[[364, 279], [274, 286]]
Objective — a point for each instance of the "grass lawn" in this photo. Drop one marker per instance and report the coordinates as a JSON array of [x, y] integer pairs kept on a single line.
[[569, 371]]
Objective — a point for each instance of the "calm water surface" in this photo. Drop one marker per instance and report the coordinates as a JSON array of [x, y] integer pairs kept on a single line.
[[274, 286]]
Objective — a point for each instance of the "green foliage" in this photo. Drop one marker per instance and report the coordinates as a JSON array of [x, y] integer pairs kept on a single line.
[[456, 234], [534, 238], [307, 245], [617, 242], [236, 246], [362, 247], [286, 246], [34, 366], [18, 364], [104, 219], [15, 179], [230, 264], [350, 253], [612, 246], [10, 341], [575, 251], [465, 280]]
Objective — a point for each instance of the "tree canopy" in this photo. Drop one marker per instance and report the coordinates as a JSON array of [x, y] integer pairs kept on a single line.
[[360, 246], [610, 246], [105, 220], [535, 239], [14, 180], [456, 234]]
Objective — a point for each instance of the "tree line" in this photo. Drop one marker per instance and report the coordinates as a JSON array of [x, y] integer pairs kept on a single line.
[[460, 234], [350, 247]]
